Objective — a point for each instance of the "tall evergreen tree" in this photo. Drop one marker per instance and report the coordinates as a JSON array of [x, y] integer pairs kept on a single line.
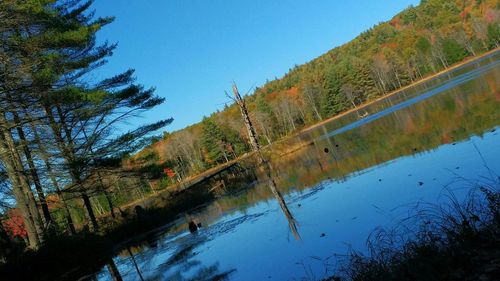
[[214, 141], [51, 50]]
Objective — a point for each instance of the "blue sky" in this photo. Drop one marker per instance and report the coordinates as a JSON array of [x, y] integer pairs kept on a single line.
[[191, 50]]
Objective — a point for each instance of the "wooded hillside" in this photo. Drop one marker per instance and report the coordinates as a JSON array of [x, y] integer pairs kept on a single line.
[[416, 43]]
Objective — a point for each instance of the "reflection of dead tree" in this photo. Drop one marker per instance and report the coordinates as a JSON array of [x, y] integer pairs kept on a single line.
[[254, 142], [219, 187], [113, 271], [281, 201]]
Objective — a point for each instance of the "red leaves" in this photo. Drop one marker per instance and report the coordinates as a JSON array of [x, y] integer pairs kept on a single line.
[[169, 172], [14, 224]]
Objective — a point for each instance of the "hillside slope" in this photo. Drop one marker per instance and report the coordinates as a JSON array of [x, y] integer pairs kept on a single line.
[[415, 43]]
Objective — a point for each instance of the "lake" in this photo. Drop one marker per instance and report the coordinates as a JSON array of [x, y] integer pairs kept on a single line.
[[367, 169]]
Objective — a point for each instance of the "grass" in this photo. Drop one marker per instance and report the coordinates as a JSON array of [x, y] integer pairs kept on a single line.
[[459, 240]]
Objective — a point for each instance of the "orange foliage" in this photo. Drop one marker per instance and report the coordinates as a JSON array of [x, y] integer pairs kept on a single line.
[[445, 138], [395, 21], [53, 201], [390, 45], [465, 11], [271, 96], [293, 92], [169, 172]]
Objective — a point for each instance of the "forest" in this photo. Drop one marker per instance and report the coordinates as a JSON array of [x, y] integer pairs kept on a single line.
[[70, 161], [59, 146], [416, 43]]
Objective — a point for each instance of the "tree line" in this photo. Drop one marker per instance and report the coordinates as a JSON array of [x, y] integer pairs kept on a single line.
[[59, 144], [414, 44]]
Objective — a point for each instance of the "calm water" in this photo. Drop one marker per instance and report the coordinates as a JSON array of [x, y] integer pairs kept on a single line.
[[311, 204]]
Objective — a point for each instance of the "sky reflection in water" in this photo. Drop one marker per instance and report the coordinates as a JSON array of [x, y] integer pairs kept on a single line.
[[413, 147]]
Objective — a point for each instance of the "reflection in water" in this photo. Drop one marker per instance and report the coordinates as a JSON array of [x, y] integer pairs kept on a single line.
[[135, 264], [351, 181], [175, 260], [185, 264], [113, 271], [450, 85], [266, 166]]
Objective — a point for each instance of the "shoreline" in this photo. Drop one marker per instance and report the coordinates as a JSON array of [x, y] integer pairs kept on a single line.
[[397, 91], [266, 149]]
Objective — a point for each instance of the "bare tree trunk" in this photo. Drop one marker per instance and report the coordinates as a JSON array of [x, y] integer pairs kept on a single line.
[[20, 187], [33, 171], [45, 158], [101, 183], [264, 130], [254, 142], [67, 149], [90, 211], [98, 206], [22, 202]]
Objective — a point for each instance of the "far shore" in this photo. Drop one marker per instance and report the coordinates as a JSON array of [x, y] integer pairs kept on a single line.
[[185, 184], [427, 78]]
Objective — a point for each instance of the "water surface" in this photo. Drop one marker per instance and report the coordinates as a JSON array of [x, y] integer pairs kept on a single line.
[[350, 176]]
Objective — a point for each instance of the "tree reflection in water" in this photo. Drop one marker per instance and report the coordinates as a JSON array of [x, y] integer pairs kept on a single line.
[[267, 168]]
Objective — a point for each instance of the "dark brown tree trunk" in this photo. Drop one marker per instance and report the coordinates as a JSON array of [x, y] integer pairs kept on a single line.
[[90, 212]]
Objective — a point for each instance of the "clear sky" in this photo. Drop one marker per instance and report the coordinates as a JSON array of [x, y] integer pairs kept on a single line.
[[191, 50]]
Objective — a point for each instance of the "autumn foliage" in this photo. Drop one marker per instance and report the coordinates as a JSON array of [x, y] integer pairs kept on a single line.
[[169, 172], [14, 225]]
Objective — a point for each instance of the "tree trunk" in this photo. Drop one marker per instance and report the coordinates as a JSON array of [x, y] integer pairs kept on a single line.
[[45, 158], [254, 142], [67, 149], [101, 183], [24, 203], [33, 171]]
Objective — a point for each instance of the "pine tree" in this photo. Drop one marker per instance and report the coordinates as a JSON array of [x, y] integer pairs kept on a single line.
[[214, 141], [332, 102], [453, 51], [51, 49]]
